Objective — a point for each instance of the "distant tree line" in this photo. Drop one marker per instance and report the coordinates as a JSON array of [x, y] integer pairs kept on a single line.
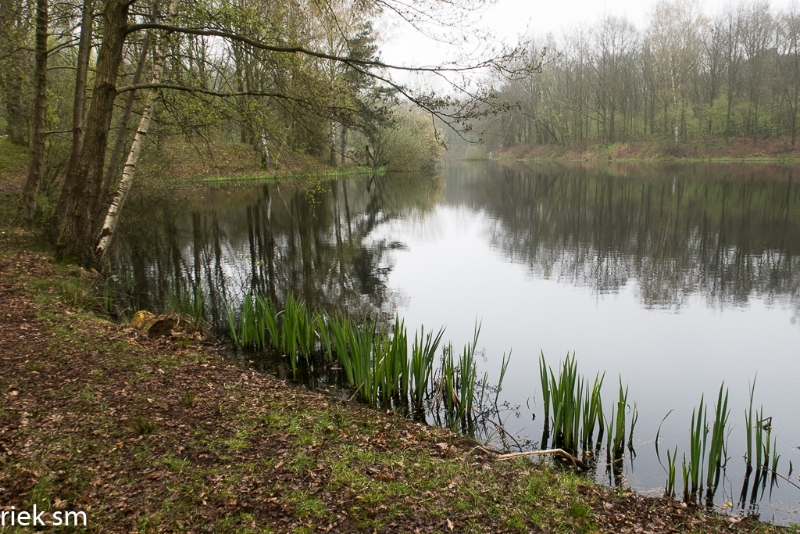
[[685, 77]]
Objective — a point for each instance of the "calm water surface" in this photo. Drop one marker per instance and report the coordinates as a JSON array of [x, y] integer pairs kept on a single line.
[[673, 277]]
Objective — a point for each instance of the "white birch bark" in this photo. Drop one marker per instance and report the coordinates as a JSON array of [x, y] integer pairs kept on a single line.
[[129, 170], [674, 102]]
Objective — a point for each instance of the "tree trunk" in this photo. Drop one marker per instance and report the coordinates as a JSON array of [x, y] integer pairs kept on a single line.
[[129, 172], [675, 104], [344, 143], [122, 133], [78, 109], [332, 156], [13, 72], [78, 235], [39, 114]]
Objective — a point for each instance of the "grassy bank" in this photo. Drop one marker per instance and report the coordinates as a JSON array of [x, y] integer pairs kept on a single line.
[[772, 150]]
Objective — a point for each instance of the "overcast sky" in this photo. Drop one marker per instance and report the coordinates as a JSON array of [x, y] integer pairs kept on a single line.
[[508, 19]]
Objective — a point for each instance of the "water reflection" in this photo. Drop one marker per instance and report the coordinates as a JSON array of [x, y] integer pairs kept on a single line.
[[311, 241], [726, 232]]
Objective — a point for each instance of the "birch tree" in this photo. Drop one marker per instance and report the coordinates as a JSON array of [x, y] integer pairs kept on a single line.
[[129, 171]]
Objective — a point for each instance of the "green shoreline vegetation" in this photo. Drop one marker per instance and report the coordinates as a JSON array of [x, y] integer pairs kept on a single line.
[[169, 434]]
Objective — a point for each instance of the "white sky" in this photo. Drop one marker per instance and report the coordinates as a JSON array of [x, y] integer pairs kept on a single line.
[[508, 19]]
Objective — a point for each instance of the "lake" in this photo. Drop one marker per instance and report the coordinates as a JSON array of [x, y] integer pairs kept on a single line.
[[672, 278]]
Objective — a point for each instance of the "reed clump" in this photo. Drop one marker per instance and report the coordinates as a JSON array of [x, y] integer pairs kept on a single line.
[[377, 361], [707, 456]]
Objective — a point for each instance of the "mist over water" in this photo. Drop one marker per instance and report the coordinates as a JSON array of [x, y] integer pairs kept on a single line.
[[674, 277]]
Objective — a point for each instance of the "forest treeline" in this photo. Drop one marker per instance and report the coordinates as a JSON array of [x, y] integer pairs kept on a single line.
[[685, 77], [92, 85]]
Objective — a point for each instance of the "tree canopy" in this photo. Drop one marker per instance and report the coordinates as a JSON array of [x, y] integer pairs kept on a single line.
[[276, 75]]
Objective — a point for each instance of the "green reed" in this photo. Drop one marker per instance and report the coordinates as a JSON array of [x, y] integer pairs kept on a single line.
[[685, 475], [565, 394], [267, 322], [230, 314], [593, 412], [198, 306], [423, 353], [375, 360], [467, 375], [290, 329], [503, 369], [339, 329], [619, 422], [697, 447], [717, 445], [669, 491], [393, 352], [544, 378], [248, 327], [455, 386], [361, 367], [576, 406]]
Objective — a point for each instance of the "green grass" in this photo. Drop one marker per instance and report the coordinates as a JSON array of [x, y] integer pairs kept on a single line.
[[249, 178], [13, 158]]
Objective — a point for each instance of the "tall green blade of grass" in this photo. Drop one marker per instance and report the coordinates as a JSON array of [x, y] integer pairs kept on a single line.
[[634, 419], [231, 316], [619, 423], [340, 333], [717, 444], [423, 354], [697, 447], [248, 326], [468, 371], [596, 408], [750, 429], [544, 378], [394, 354], [669, 491], [503, 368], [685, 475]]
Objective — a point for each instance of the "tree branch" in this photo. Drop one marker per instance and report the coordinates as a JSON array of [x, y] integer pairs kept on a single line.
[[311, 53]]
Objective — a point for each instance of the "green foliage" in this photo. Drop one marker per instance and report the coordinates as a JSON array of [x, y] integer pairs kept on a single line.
[[576, 407], [423, 353], [410, 142]]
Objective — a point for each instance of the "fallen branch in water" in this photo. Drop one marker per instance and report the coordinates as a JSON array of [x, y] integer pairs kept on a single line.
[[555, 452]]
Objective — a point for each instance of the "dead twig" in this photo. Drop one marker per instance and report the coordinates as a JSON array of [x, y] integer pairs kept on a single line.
[[555, 452]]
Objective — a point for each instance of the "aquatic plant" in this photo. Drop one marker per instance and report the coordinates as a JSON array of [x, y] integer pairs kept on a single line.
[[697, 448], [669, 491], [503, 369], [455, 387], [545, 381], [230, 314], [619, 422], [267, 318], [468, 372], [717, 446], [423, 353], [593, 412], [575, 405], [393, 353]]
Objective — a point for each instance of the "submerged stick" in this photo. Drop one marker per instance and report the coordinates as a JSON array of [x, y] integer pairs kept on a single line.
[[555, 452]]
